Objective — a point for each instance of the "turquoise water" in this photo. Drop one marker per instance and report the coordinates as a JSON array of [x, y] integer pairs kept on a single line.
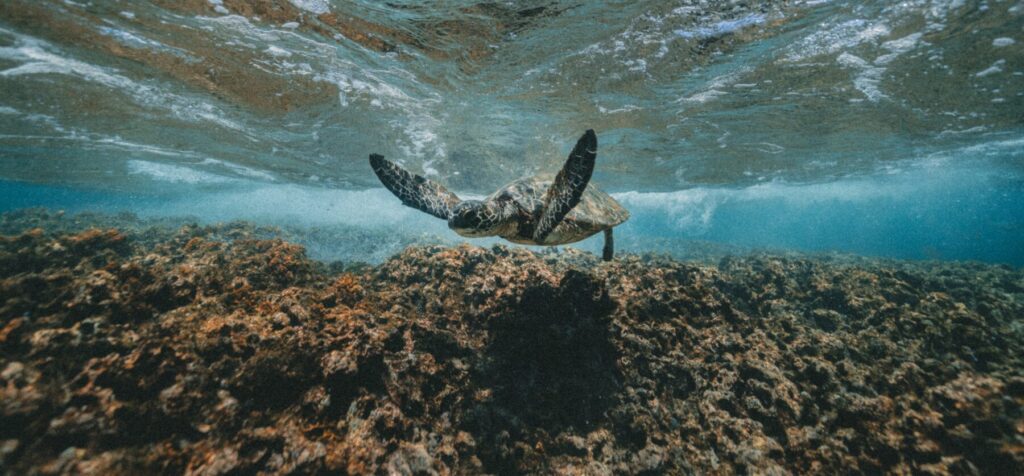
[[878, 128]]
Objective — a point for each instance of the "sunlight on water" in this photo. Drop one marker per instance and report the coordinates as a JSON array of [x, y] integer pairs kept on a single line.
[[796, 125]]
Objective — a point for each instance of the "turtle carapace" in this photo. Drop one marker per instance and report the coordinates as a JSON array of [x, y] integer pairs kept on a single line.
[[530, 211]]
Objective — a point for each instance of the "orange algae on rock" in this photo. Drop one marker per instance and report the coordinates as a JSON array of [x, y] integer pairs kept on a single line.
[[182, 351]]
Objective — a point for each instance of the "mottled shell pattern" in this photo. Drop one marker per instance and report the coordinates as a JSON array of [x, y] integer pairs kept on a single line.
[[596, 211]]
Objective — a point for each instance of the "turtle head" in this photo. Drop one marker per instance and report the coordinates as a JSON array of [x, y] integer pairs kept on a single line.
[[474, 218]]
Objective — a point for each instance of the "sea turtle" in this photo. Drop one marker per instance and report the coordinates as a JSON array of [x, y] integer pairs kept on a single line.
[[530, 211]]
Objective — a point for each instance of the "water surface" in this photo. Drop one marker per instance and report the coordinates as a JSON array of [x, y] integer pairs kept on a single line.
[[878, 128]]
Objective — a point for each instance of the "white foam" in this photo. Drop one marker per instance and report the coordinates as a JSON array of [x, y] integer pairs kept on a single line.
[[704, 96], [634, 48], [626, 108], [833, 38], [38, 59], [135, 41], [394, 89], [693, 211], [714, 87], [218, 6], [379, 88], [423, 141], [278, 52], [241, 170], [318, 7], [898, 47], [128, 146], [173, 173], [91, 141], [240, 25], [720, 28], [996, 67], [429, 170], [968, 131], [291, 203], [689, 210], [868, 78], [996, 148], [636, 65], [1001, 42]]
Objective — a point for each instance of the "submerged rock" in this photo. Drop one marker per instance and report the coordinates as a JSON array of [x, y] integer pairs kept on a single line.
[[210, 351]]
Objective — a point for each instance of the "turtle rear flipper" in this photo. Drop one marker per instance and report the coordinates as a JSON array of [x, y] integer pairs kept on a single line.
[[413, 190], [568, 186], [609, 246]]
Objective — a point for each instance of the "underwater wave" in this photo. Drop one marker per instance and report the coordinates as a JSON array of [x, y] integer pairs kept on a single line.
[[933, 208]]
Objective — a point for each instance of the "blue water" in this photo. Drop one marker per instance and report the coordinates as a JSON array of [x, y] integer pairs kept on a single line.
[[878, 128]]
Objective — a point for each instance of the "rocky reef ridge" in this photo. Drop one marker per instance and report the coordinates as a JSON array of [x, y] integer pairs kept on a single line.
[[215, 350]]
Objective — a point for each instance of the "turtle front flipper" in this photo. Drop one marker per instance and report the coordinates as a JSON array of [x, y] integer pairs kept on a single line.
[[568, 186], [413, 190]]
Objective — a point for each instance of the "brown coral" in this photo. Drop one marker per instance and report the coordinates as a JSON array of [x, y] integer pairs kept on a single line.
[[181, 351]]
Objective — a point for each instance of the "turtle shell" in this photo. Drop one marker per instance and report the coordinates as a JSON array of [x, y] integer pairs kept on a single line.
[[596, 211]]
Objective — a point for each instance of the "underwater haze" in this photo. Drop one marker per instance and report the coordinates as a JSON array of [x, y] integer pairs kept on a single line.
[[891, 129], [822, 270]]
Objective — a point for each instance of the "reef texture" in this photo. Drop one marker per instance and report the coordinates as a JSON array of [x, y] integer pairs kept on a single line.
[[206, 351]]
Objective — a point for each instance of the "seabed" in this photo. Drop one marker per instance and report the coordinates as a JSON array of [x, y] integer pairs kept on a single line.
[[217, 349]]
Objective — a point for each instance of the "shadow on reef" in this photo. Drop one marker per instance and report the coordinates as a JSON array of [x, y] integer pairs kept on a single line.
[[210, 350], [550, 360]]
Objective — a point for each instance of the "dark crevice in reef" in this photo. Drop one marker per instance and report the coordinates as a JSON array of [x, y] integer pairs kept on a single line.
[[132, 349]]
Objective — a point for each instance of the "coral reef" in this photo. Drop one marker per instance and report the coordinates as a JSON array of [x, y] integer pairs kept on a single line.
[[334, 243], [216, 350]]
